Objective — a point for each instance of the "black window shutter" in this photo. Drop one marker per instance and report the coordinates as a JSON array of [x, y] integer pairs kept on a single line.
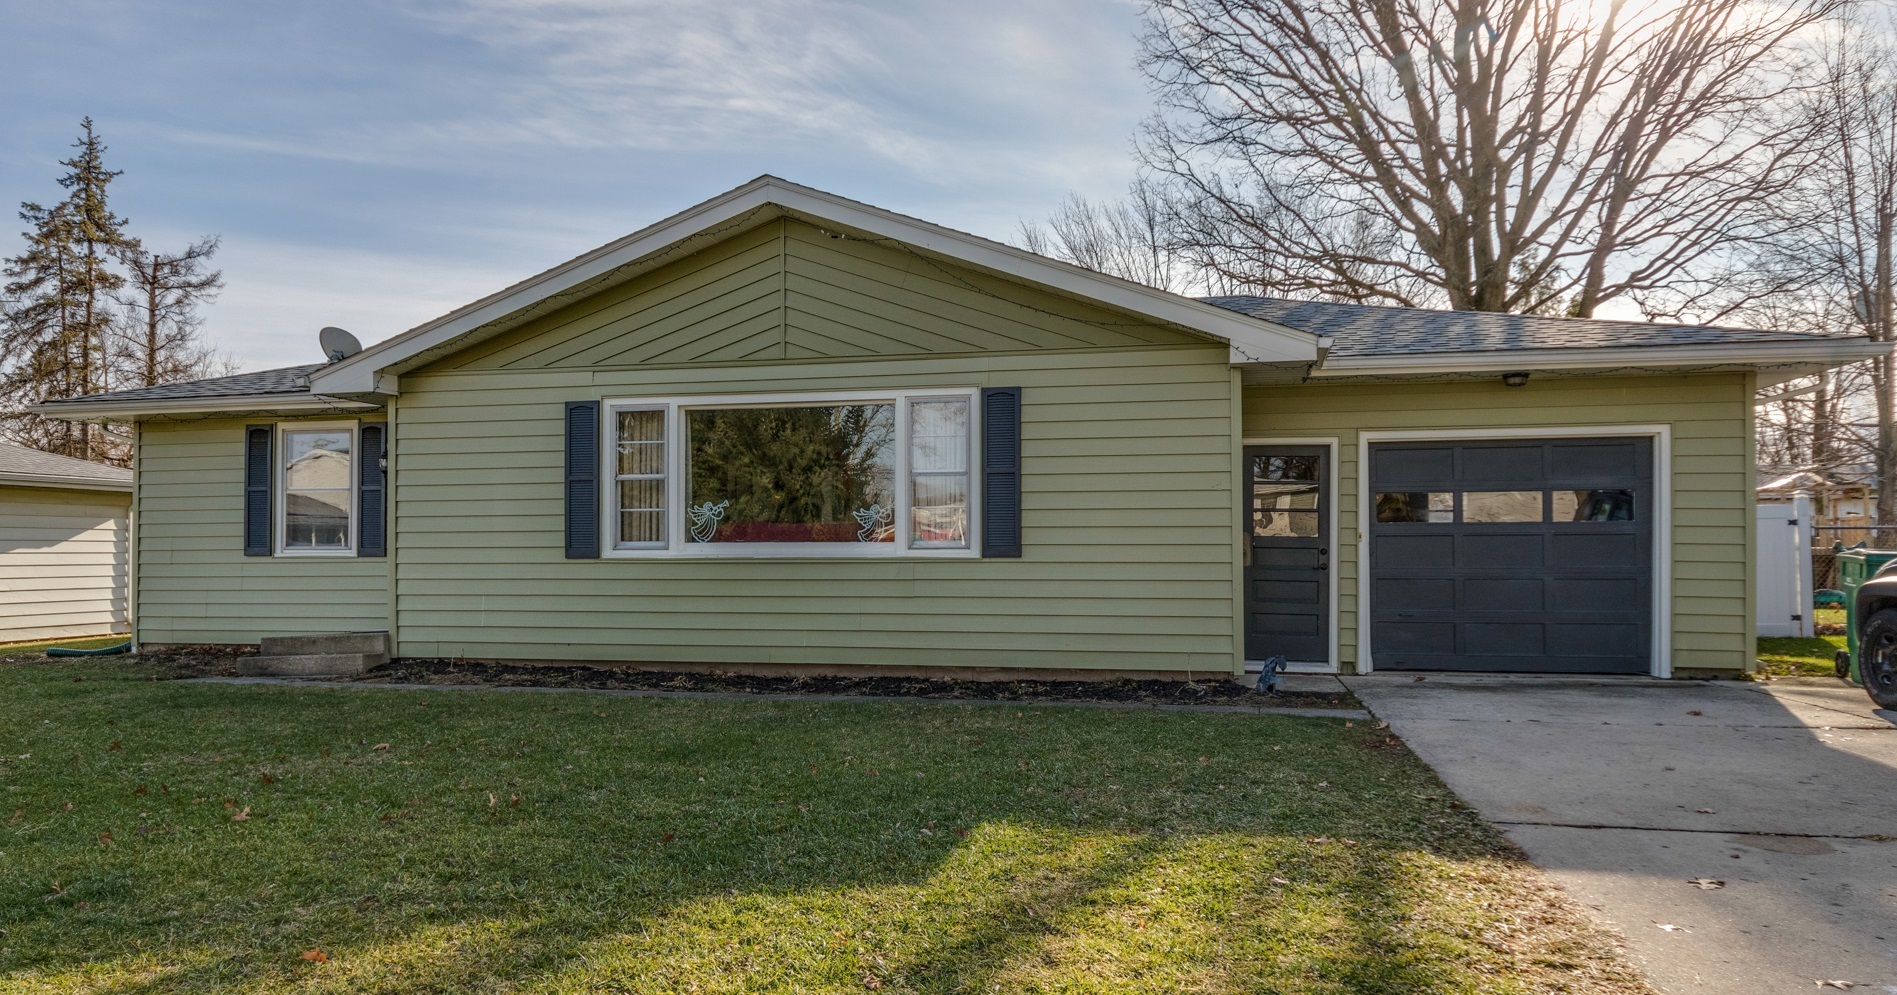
[[582, 480], [372, 535], [258, 471], [1001, 472]]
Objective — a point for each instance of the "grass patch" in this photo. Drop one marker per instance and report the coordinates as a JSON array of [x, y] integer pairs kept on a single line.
[[38, 647], [160, 836], [1790, 656]]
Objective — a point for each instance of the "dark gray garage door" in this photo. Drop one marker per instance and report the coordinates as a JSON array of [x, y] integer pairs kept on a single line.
[[1517, 555]]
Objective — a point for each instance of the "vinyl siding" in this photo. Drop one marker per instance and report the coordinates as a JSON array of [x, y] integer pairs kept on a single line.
[[1710, 415], [62, 562], [788, 291], [195, 585], [1127, 502]]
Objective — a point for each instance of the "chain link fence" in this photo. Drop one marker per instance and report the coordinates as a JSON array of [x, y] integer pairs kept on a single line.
[[1826, 540]]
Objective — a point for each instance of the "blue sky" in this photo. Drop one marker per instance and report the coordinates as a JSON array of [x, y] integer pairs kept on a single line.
[[374, 164]]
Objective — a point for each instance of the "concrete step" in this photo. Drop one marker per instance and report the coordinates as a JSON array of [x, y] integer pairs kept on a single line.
[[309, 664], [327, 642]]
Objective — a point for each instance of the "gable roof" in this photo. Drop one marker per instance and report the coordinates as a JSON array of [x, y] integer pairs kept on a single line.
[[1272, 340], [33, 468], [764, 199]]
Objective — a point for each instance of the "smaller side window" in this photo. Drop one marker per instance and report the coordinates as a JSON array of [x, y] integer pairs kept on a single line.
[[938, 471], [639, 477]]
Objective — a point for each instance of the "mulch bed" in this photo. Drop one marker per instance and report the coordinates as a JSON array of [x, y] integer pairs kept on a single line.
[[1210, 691], [221, 661]]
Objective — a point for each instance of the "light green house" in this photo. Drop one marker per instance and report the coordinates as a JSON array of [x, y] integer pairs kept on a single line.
[[784, 430]]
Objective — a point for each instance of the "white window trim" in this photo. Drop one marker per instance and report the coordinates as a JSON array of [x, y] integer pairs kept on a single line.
[[678, 545], [1661, 647], [280, 497]]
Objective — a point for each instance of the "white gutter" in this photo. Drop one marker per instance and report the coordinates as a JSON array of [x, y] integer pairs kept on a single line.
[[64, 482], [128, 410], [1253, 340], [1827, 352]]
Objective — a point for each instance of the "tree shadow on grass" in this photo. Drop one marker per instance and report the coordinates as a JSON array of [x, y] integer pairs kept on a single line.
[[575, 843]]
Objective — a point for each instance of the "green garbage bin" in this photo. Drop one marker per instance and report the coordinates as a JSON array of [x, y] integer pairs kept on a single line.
[[1855, 566]]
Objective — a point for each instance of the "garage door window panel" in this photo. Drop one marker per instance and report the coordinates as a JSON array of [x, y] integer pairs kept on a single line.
[[1610, 505], [1501, 506]]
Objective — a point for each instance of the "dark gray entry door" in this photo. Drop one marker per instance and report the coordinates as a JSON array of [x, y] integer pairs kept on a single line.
[[1518, 555], [1287, 546]]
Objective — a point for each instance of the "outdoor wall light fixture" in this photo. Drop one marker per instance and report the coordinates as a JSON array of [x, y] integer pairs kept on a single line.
[[1516, 379]]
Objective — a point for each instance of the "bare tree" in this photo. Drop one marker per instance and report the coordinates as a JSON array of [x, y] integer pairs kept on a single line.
[[1493, 155], [1849, 198], [159, 343], [1126, 238]]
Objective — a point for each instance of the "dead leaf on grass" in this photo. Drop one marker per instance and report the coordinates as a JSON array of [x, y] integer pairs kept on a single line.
[[105, 837], [872, 982], [243, 816], [316, 956], [117, 745], [1279, 881], [381, 746]]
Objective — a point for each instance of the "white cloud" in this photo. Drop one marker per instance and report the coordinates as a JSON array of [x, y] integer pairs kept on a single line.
[[279, 294]]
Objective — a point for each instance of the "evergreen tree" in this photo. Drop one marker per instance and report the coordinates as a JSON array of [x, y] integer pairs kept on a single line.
[[57, 334]]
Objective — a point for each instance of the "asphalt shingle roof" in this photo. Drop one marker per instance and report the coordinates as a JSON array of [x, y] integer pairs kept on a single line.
[[1369, 330], [288, 380], [32, 462]]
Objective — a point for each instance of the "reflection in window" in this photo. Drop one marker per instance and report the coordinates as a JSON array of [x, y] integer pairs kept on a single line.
[[1284, 467], [1284, 495], [1594, 506], [818, 473], [1416, 506], [318, 489], [1501, 506]]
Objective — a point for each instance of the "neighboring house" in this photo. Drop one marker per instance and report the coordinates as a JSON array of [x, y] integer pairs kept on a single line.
[[65, 545], [787, 430], [1842, 495]]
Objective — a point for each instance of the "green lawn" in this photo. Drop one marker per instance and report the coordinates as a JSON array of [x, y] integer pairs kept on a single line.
[[1789, 656], [38, 647], [161, 836]]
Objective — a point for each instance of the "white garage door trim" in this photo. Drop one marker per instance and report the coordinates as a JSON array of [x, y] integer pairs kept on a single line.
[[1662, 436]]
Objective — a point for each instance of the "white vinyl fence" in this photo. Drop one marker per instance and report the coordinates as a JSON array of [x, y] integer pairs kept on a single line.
[[1785, 567]]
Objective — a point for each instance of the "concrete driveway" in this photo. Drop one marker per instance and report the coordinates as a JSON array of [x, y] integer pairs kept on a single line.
[[1625, 790]]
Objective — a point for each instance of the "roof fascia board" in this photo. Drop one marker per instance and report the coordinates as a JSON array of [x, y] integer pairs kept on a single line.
[[63, 483], [1734, 354], [270, 403], [1259, 340]]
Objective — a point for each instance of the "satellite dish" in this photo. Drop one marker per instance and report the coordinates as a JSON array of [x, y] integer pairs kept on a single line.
[[337, 344]]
